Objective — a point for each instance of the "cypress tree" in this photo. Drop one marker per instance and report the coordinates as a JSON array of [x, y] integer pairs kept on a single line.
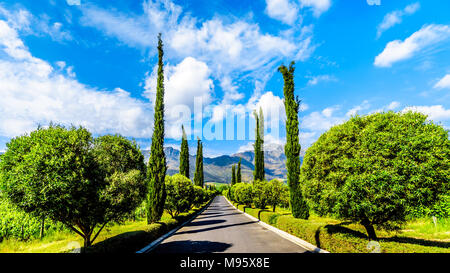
[[184, 155], [292, 148], [157, 163], [198, 175], [202, 177], [259, 173], [233, 175], [238, 172]]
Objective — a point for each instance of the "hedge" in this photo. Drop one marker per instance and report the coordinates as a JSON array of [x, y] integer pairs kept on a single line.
[[342, 237], [130, 242]]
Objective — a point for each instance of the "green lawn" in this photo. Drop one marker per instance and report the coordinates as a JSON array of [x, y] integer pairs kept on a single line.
[[66, 241], [417, 236]]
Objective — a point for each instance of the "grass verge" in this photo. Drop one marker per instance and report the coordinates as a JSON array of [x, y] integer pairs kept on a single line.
[[418, 236], [128, 237]]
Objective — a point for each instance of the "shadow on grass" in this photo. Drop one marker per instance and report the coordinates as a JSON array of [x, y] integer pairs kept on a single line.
[[415, 241], [340, 229]]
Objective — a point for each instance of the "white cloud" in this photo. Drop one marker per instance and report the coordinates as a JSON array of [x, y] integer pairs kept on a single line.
[[320, 78], [393, 105], [33, 93], [434, 112], [228, 48], [395, 17], [398, 50], [318, 6], [282, 10], [443, 83], [320, 121], [22, 20], [355, 110], [182, 83]]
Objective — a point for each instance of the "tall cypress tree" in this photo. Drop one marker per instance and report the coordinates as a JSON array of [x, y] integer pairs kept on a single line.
[[259, 173], [292, 148], [238, 172], [198, 175], [184, 155], [157, 163], [233, 175]]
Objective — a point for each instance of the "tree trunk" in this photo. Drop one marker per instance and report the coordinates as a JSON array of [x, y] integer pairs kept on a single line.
[[41, 234], [274, 208], [370, 230]]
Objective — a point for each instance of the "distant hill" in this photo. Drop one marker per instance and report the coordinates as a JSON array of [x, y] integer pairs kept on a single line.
[[218, 169]]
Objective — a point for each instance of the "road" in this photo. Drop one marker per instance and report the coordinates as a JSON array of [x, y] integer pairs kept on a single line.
[[224, 229]]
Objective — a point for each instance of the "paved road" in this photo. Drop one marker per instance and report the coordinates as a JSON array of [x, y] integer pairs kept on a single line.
[[222, 228]]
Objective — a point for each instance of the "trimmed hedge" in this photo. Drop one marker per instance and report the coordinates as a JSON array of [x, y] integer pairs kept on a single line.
[[342, 237], [130, 242]]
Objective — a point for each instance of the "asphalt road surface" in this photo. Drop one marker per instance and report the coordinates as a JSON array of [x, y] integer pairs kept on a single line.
[[222, 228]]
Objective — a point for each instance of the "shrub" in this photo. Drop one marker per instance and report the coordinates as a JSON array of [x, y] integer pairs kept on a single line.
[[180, 194], [374, 169], [261, 193], [67, 176], [277, 193], [244, 193]]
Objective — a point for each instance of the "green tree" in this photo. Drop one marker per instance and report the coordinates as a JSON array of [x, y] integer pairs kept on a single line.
[[180, 194], [71, 178], [199, 179], [259, 173], [233, 175], [184, 155], [261, 191], [238, 172], [157, 163], [276, 193], [243, 193], [373, 169], [292, 148]]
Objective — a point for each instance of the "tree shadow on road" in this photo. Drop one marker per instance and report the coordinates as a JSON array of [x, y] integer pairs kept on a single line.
[[205, 222], [188, 246], [215, 227]]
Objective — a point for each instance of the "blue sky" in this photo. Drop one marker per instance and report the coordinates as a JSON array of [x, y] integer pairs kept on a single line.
[[92, 63]]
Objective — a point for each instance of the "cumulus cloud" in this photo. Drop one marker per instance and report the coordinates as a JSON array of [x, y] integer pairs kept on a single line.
[[395, 17], [318, 6], [398, 50], [435, 112], [234, 46], [182, 83], [35, 93], [283, 10], [443, 83]]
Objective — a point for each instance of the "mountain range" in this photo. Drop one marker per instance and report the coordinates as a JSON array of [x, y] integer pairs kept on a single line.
[[218, 169]]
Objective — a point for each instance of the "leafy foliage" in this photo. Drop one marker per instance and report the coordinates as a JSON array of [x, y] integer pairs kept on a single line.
[[259, 172], [238, 172], [292, 148], [184, 155], [277, 193], [261, 191], [180, 194], [157, 162], [375, 169], [243, 193], [65, 175], [199, 176]]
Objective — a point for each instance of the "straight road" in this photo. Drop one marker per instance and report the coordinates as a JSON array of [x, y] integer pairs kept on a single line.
[[222, 228]]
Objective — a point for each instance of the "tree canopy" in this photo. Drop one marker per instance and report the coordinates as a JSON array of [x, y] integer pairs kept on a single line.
[[372, 169], [66, 175]]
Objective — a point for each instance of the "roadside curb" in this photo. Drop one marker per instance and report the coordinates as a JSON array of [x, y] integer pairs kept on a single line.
[[282, 233], [158, 241]]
